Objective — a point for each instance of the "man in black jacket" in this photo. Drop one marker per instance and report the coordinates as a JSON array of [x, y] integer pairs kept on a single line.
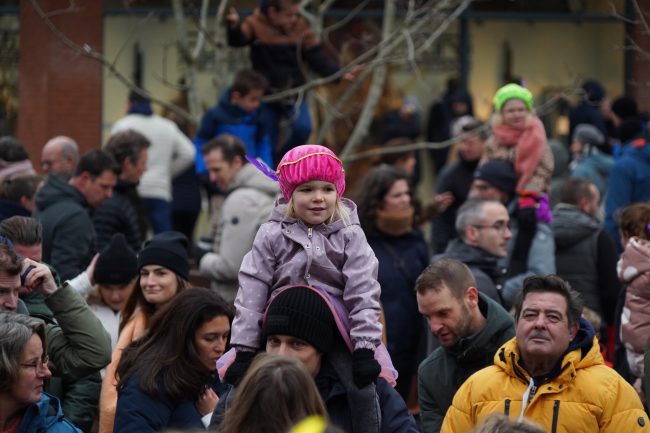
[[124, 212], [63, 209], [470, 328]]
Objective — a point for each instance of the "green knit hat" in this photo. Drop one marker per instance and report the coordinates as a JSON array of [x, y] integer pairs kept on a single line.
[[513, 91]]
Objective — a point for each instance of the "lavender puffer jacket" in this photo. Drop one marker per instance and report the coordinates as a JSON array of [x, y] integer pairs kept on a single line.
[[334, 257]]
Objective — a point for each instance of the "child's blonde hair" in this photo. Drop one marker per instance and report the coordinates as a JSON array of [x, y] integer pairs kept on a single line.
[[340, 212]]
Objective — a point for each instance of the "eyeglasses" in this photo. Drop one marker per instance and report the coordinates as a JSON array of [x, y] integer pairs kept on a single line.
[[499, 226], [36, 364]]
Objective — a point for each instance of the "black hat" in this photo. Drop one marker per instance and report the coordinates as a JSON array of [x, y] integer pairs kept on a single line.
[[169, 250], [625, 107], [117, 263], [302, 313], [498, 173]]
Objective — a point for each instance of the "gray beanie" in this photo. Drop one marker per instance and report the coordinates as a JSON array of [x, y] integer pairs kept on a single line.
[[588, 134]]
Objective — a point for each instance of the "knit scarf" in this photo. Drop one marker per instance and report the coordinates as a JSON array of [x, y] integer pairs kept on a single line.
[[529, 143], [395, 223]]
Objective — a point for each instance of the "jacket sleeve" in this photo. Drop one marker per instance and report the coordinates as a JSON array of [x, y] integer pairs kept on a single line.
[[71, 243], [431, 415], [459, 418], [255, 281], [395, 417], [184, 153], [79, 345], [362, 290], [319, 61], [238, 229], [137, 412], [624, 411], [239, 36]]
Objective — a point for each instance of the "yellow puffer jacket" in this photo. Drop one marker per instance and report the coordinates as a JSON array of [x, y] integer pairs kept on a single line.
[[587, 396]]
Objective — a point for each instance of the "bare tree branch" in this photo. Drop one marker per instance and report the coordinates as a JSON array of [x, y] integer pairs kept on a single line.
[[87, 51]]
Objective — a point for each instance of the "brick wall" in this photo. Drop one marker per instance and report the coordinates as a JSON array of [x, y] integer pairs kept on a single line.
[[60, 90]]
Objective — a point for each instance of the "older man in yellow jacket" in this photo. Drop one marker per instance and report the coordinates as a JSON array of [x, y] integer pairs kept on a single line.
[[552, 372]]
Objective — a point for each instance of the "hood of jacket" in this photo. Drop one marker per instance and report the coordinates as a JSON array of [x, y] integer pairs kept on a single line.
[[583, 352], [571, 225], [56, 190], [279, 215], [230, 108], [472, 348], [473, 257], [250, 177]]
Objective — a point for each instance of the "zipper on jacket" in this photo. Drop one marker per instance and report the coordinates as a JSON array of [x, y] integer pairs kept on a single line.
[[506, 407], [556, 415], [309, 232], [529, 394]]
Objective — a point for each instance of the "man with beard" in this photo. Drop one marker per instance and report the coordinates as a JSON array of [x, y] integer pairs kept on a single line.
[[470, 328], [551, 373]]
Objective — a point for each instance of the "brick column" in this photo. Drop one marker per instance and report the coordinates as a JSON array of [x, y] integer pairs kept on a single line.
[[60, 90], [638, 85]]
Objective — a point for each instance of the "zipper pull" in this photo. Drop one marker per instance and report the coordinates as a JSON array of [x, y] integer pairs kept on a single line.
[[309, 232]]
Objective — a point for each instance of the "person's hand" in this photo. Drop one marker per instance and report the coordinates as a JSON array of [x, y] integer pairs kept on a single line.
[[365, 367], [353, 73], [37, 277], [207, 402], [442, 201], [90, 270], [232, 18], [238, 368]]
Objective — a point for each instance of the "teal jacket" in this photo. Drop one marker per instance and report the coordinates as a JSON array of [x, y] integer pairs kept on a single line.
[[78, 346], [445, 370], [46, 416]]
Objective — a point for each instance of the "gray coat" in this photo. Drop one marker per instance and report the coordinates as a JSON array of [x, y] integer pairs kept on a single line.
[[334, 257], [249, 202]]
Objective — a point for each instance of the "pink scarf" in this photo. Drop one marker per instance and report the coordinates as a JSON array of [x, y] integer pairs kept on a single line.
[[529, 143]]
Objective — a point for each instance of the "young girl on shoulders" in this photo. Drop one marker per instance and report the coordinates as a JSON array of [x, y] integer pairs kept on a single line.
[[312, 237]]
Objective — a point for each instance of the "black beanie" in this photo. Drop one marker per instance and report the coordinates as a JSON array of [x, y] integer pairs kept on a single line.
[[302, 313], [625, 107], [117, 263], [500, 174], [169, 250]]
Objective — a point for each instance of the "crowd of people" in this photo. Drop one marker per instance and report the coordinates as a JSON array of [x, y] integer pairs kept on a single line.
[[525, 311]]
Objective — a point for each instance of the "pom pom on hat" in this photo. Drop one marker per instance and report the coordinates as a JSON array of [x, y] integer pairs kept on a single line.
[[513, 91], [117, 263], [310, 162]]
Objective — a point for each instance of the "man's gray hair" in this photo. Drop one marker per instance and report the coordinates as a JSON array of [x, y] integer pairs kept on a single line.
[[15, 332], [470, 213]]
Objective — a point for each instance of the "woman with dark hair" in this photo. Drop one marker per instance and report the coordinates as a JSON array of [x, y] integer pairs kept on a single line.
[[276, 393], [386, 214], [163, 273], [24, 407], [168, 377]]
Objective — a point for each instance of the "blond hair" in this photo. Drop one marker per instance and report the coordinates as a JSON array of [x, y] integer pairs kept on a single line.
[[340, 212]]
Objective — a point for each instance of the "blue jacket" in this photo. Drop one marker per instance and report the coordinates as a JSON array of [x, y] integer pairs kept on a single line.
[[138, 412], [629, 182], [228, 118], [46, 416], [596, 167]]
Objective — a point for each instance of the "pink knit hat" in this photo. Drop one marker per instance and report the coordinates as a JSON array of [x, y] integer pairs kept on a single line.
[[309, 162]]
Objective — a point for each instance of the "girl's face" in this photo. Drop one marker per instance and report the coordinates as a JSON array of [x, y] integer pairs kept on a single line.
[[398, 198], [32, 373], [314, 202], [514, 113], [210, 340], [159, 285], [115, 295]]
